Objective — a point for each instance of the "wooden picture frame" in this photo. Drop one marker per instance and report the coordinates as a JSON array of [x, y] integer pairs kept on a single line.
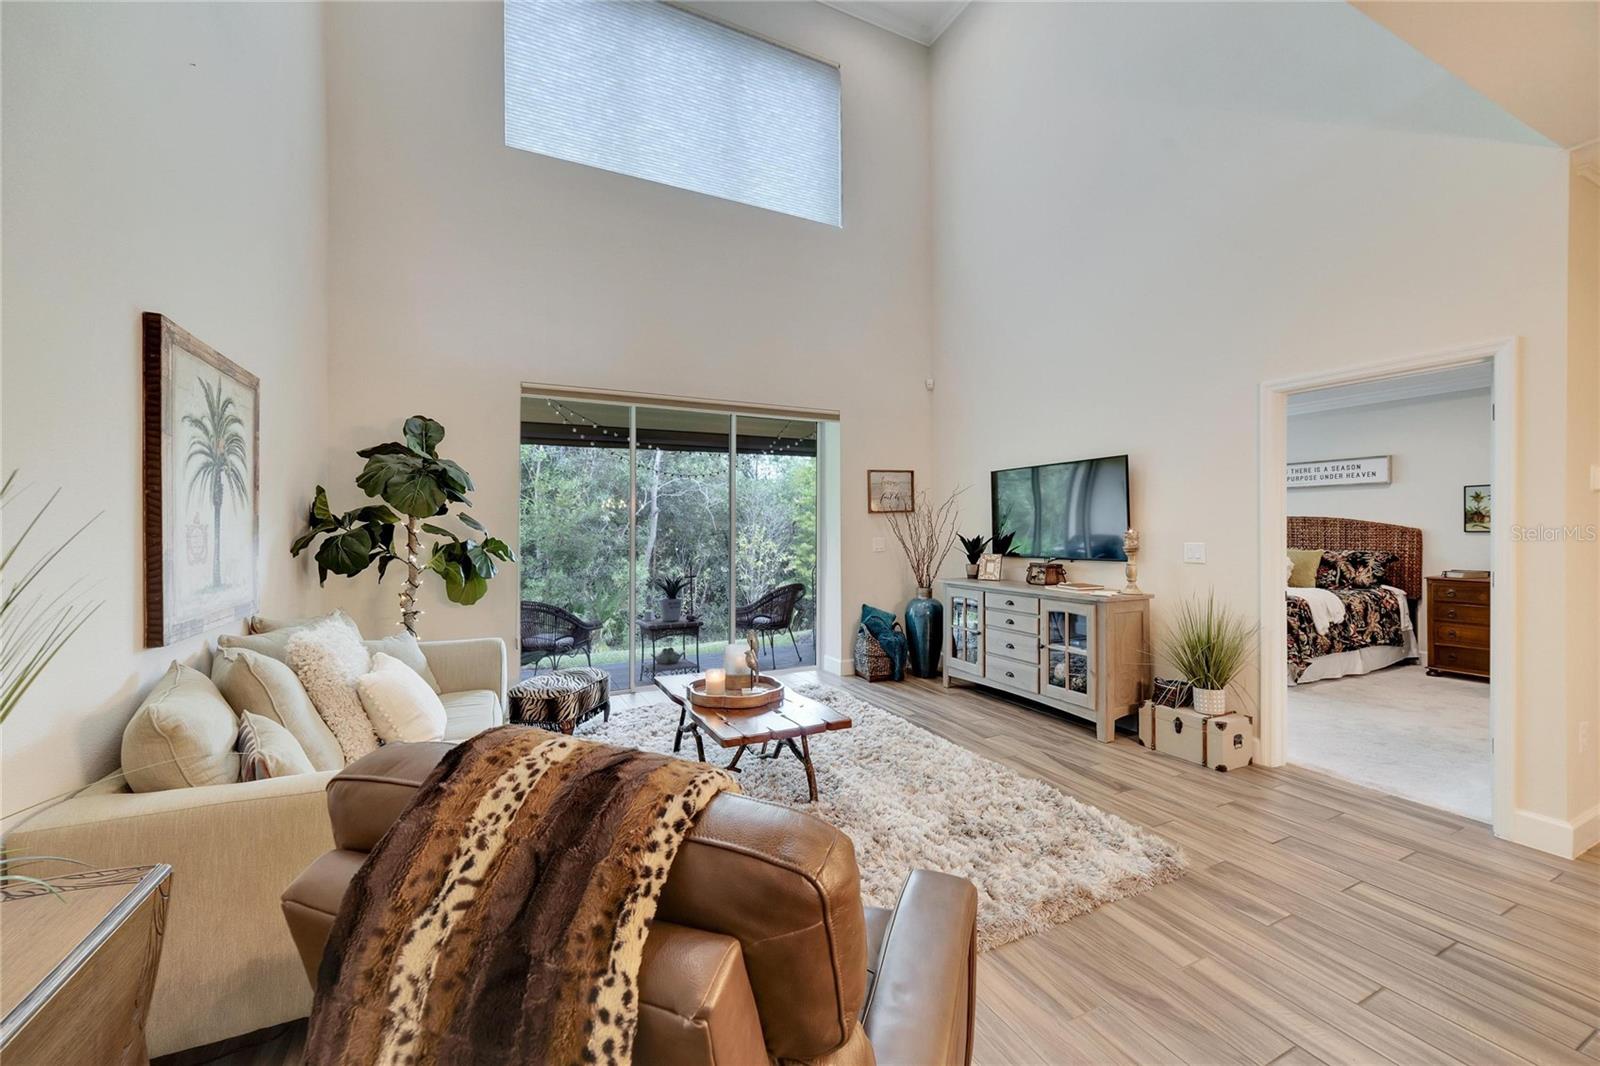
[[202, 480], [990, 566], [891, 491], [1477, 508]]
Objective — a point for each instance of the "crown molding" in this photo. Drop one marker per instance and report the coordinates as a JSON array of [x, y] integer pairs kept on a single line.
[[1475, 378], [887, 16]]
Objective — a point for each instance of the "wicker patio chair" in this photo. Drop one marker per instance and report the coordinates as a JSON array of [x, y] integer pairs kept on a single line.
[[551, 632], [770, 614]]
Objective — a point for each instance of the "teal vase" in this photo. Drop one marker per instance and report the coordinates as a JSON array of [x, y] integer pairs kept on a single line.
[[924, 634]]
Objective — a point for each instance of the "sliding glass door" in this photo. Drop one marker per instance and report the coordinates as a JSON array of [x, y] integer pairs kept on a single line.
[[651, 536]]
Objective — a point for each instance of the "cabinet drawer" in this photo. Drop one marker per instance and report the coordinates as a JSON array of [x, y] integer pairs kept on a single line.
[[1469, 660], [1011, 602], [1004, 622], [1011, 674], [1464, 592], [1451, 611], [1023, 647], [1460, 635]]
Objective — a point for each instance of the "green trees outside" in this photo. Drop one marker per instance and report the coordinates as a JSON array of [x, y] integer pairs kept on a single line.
[[574, 532]]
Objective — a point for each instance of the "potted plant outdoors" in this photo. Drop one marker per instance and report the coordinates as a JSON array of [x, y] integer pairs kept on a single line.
[[671, 606], [973, 547], [926, 534], [1208, 644]]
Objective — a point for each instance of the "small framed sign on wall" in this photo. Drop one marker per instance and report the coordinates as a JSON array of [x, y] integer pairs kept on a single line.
[[1319, 473]]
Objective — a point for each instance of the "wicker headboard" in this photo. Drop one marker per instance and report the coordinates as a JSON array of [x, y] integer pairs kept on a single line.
[[1332, 534]]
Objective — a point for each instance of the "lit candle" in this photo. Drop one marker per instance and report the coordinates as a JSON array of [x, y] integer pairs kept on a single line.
[[716, 682], [733, 660]]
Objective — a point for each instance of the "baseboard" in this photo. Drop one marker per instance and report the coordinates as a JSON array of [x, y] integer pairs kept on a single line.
[[1555, 835], [832, 664]]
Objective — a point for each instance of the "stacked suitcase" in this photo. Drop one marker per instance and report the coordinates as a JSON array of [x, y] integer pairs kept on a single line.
[[1222, 742]]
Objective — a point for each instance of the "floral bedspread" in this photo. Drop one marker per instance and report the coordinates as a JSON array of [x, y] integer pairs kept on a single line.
[[1371, 617]]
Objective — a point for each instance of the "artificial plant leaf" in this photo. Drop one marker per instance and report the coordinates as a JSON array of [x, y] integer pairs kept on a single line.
[[423, 434], [482, 562], [372, 514], [383, 565], [470, 522], [498, 548], [441, 564], [321, 513], [346, 554], [404, 481], [438, 531], [392, 447], [303, 541], [466, 592], [456, 477]]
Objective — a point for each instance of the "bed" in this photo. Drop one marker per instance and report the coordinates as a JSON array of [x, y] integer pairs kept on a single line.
[[1343, 631]]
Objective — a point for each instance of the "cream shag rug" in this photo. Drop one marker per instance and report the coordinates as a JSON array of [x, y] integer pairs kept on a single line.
[[912, 800]]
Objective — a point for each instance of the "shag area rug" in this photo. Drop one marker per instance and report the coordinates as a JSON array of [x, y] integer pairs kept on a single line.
[[910, 799]]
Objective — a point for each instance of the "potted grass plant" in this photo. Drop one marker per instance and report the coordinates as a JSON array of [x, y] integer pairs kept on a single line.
[[973, 548], [1208, 644]]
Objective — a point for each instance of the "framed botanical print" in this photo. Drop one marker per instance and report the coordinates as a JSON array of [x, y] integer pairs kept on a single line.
[[891, 491], [1476, 508], [202, 474]]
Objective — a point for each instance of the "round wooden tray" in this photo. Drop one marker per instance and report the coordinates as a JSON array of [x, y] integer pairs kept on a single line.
[[767, 691]]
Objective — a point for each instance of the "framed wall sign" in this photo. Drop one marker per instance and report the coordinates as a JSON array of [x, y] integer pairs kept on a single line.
[[202, 471], [1319, 473], [891, 491]]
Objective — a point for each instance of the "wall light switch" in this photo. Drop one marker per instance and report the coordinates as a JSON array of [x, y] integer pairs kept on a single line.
[[877, 544], [1194, 551]]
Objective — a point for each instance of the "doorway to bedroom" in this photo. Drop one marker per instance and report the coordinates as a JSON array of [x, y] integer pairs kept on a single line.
[[1388, 580]]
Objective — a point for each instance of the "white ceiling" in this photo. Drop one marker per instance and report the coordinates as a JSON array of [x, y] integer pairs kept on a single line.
[[919, 20], [1475, 377]]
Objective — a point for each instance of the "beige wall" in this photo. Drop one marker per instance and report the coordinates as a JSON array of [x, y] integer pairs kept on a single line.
[[1583, 501], [1144, 211], [461, 268], [167, 158]]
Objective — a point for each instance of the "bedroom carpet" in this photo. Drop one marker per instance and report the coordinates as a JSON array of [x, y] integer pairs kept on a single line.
[[1399, 731], [912, 800]]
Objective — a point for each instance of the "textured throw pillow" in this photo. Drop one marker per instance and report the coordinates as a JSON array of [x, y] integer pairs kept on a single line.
[[329, 658], [266, 749], [404, 646], [251, 681], [181, 736], [274, 641], [403, 709], [1354, 569], [1303, 564]]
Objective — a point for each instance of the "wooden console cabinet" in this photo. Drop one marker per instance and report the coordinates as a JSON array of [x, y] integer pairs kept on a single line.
[[1458, 626], [1083, 654]]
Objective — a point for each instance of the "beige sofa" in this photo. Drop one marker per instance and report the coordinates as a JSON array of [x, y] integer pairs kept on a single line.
[[228, 966]]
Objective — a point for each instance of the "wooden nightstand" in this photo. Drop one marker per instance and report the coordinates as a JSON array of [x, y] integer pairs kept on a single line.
[[1458, 626], [78, 968]]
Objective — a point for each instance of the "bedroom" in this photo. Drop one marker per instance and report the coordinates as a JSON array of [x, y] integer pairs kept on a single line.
[[1390, 507]]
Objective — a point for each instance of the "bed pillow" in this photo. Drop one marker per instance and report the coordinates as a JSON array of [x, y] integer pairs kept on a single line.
[[267, 750], [1303, 565], [329, 658], [404, 647], [260, 684], [269, 636], [181, 736], [1354, 569], [403, 709]]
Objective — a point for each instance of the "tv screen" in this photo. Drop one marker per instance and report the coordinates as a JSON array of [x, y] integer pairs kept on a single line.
[[1073, 510]]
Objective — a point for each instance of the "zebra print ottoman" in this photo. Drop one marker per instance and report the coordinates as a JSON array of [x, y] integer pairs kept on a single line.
[[562, 699]]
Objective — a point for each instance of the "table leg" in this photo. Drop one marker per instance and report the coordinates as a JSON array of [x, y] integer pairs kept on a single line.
[[733, 766], [811, 772], [699, 743], [677, 738]]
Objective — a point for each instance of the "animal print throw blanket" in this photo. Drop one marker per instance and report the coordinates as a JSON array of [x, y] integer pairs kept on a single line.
[[502, 918]]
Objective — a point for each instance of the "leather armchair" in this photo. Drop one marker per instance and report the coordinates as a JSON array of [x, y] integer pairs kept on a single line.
[[761, 949]]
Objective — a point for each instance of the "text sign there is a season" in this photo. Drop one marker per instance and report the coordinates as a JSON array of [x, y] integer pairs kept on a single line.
[[1369, 470]]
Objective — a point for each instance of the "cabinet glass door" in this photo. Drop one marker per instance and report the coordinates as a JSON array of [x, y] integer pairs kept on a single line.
[[1069, 654], [966, 629]]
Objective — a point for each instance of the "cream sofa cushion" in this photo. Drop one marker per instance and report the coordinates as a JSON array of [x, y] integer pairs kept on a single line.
[[260, 684], [469, 712], [181, 736], [401, 706], [404, 647], [274, 642], [268, 750], [329, 658]]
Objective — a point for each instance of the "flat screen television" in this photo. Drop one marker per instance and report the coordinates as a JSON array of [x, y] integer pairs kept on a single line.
[[1075, 510]]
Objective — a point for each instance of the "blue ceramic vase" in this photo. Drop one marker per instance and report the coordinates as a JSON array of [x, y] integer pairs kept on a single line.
[[924, 634]]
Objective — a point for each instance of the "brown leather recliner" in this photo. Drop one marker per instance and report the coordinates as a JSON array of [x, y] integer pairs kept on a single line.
[[761, 948]]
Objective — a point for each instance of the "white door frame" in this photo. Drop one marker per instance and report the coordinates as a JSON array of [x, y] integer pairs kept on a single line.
[[1272, 445]]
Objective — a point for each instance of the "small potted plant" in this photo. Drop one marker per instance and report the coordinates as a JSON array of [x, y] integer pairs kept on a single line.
[[973, 547], [1208, 644], [671, 606]]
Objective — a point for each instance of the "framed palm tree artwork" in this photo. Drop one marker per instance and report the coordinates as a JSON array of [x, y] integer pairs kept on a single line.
[[202, 472]]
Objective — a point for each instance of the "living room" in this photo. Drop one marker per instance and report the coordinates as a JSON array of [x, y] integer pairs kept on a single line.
[[1059, 232]]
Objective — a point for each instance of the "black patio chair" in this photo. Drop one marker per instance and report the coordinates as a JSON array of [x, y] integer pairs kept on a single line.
[[770, 614], [551, 632]]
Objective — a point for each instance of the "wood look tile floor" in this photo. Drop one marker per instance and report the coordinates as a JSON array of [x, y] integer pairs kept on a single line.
[[1319, 921]]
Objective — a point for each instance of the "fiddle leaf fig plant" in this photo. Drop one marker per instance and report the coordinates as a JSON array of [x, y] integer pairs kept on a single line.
[[414, 483]]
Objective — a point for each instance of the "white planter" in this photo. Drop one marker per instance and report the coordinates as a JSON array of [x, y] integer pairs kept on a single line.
[[1211, 701]]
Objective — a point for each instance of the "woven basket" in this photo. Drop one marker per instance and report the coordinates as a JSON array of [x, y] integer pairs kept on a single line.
[[871, 662]]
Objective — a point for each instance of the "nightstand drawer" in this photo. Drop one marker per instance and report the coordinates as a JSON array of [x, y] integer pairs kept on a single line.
[[1446, 657], [1011, 603], [1012, 674], [1459, 592], [1460, 635], [1450, 611], [999, 622]]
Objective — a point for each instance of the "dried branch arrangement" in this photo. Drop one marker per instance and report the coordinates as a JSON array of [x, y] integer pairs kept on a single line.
[[926, 535]]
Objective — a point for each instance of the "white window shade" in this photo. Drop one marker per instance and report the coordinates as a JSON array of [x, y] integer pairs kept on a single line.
[[645, 89]]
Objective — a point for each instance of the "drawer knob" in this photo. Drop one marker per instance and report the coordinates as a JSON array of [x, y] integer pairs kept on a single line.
[[1009, 622], [1450, 593], [1010, 645], [1011, 603], [1010, 674]]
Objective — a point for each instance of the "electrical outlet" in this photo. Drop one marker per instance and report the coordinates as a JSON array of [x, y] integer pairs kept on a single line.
[[1194, 551], [877, 544]]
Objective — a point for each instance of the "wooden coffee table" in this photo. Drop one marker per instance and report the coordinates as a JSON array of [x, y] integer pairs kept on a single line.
[[796, 718]]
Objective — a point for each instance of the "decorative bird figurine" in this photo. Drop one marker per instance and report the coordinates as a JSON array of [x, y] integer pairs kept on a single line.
[[752, 658]]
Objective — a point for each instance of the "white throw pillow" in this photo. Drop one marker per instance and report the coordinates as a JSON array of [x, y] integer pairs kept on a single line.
[[329, 658], [402, 707]]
